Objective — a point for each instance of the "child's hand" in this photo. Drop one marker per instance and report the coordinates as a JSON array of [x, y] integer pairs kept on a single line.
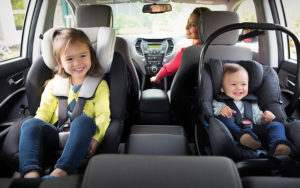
[[267, 117], [227, 112], [92, 148]]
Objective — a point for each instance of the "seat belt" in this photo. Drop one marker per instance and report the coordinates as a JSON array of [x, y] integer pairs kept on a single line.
[[245, 122]]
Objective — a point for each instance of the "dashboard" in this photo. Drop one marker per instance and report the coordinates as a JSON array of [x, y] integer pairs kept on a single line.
[[154, 52]]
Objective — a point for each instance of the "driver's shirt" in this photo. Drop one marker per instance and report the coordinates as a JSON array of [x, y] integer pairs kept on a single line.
[[171, 67]]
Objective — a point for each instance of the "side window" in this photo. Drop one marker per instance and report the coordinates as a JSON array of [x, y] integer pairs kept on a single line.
[[12, 16], [292, 17], [63, 15], [247, 13]]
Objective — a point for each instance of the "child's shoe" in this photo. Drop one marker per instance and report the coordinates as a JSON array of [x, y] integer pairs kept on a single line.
[[282, 149], [248, 141]]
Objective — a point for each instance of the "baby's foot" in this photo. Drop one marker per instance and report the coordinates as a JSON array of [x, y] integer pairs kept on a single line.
[[248, 141], [282, 149]]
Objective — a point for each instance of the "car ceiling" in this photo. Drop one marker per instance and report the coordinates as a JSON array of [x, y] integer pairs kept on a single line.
[[204, 2]]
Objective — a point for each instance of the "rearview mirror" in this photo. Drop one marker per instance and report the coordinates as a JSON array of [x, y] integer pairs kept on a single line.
[[156, 8]]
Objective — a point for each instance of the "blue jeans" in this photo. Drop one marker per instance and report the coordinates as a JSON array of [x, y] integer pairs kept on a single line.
[[38, 136], [274, 132]]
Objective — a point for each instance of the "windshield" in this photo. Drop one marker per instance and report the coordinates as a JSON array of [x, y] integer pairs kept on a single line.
[[129, 19]]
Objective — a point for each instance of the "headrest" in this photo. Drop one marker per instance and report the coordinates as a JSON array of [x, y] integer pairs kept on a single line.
[[94, 16], [102, 39], [255, 72], [160, 171], [211, 21]]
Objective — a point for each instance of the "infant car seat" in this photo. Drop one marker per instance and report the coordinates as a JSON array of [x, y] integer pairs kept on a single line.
[[263, 83], [103, 40]]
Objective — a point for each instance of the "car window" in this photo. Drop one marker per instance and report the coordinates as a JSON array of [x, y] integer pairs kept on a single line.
[[247, 13], [129, 19], [63, 16], [12, 16], [292, 17]]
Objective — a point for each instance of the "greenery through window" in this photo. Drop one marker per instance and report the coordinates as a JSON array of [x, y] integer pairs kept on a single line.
[[292, 15]]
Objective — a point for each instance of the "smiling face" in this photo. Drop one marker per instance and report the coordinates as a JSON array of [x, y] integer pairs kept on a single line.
[[235, 85], [76, 61], [192, 28]]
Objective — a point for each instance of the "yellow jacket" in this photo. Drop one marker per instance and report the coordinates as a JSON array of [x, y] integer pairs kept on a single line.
[[97, 108]]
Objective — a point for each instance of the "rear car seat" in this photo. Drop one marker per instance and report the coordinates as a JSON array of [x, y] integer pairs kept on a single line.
[[103, 39]]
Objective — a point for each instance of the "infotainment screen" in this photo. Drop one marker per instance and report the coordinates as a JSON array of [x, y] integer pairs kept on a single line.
[[154, 46]]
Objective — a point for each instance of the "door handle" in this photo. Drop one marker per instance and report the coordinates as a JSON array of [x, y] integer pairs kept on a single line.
[[13, 82]]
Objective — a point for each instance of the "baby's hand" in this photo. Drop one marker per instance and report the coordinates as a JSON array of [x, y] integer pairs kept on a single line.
[[267, 117], [227, 112]]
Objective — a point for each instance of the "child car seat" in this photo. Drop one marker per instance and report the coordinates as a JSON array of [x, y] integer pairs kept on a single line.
[[264, 84], [103, 40]]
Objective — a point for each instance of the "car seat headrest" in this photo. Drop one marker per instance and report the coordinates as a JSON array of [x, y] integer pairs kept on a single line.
[[102, 39], [211, 21], [255, 72], [94, 16]]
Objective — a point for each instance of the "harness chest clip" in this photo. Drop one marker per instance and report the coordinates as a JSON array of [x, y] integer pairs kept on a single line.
[[246, 124]]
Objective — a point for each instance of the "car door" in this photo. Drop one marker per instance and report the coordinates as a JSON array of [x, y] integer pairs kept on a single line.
[[16, 19], [288, 15]]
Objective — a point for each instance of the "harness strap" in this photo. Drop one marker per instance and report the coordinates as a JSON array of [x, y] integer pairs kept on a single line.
[[238, 115], [78, 108], [62, 110], [60, 90]]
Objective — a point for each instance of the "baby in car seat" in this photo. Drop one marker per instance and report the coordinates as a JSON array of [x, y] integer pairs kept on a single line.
[[244, 119]]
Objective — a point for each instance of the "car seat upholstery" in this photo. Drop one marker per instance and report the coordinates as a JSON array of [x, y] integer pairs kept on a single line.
[[103, 40], [102, 15], [263, 84], [94, 16], [184, 85], [274, 182], [135, 171], [160, 171]]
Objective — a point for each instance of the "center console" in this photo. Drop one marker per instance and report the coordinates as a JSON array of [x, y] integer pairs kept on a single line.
[[154, 51]]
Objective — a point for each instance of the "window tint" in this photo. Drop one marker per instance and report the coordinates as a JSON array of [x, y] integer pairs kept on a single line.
[[291, 9], [12, 16], [247, 13]]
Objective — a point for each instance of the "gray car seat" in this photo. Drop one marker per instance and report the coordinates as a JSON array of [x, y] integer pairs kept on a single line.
[[103, 40], [137, 171], [263, 84]]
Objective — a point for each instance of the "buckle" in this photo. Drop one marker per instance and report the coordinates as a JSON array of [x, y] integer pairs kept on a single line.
[[246, 124], [66, 126]]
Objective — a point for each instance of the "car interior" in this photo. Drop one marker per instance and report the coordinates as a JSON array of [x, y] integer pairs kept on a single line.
[[161, 134]]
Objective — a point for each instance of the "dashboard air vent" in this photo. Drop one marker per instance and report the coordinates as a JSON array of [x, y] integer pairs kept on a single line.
[[138, 46], [171, 46]]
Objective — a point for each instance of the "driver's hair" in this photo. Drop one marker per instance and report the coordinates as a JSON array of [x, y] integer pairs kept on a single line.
[[199, 10]]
